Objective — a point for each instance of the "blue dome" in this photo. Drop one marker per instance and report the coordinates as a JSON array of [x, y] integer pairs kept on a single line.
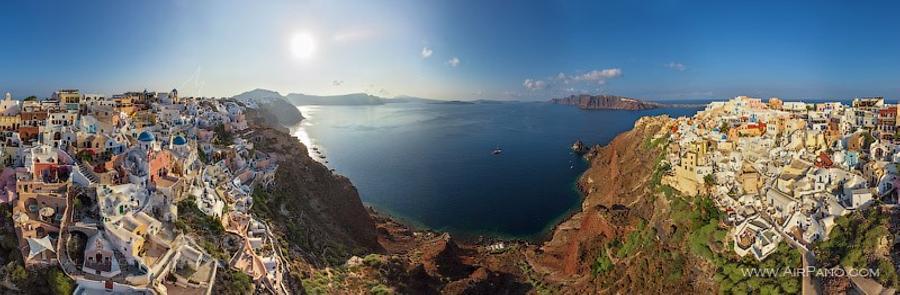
[[146, 136], [179, 140]]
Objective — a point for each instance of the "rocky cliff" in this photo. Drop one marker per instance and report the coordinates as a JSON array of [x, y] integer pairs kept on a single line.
[[621, 239], [280, 110], [316, 214], [605, 102]]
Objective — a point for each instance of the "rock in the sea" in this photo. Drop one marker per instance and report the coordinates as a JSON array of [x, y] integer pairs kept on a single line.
[[579, 148]]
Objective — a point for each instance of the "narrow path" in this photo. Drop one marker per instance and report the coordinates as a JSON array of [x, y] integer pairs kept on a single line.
[[810, 284]]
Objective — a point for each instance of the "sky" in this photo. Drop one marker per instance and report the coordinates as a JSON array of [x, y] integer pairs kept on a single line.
[[464, 49]]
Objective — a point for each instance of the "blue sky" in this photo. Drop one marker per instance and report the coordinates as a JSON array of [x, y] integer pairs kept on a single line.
[[530, 50]]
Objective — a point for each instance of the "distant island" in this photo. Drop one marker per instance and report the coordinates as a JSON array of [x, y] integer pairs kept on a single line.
[[606, 102], [276, 102], [344, 99], [452, 102], [614, 102]]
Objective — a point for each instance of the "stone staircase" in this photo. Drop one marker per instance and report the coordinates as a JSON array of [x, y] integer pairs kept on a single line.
[[88, 173]]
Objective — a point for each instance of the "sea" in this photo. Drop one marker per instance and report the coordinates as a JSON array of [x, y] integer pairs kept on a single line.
[[432, 165]]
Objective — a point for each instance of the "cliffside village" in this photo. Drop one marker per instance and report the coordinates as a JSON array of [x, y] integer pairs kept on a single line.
[[110, 170], [782, 171]]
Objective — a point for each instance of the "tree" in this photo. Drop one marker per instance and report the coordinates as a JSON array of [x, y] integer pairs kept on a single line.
[[602, 264], [59, 282], [709, 181], [18, 275], [30, 98], [224, 136], [868, 139], [233, 282]]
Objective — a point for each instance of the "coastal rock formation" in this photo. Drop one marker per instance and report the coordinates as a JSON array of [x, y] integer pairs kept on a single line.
[[579, 147], [620, 207], [441, 258], [282, 112], [317, 213], [605, 102]]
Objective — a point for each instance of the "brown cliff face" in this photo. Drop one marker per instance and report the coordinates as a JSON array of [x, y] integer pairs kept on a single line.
[[605, 102], [608, 183], [318, 212], [619, 203]]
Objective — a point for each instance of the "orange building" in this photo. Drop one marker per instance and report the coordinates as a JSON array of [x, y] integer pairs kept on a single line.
[[159, 164]]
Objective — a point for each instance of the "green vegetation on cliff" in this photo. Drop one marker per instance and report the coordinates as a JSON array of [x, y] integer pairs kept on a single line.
[[59, 282], [700, 232], [229, 281], [193, 221], [602, 264], [861, 240], [700, 227]]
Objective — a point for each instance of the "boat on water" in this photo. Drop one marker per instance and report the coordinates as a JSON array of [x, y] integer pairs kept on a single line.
[[497, 150]]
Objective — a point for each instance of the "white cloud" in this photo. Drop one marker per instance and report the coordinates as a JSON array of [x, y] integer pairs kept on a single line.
[[453, 62], [676, 66], [596, 77], [337, 82], [534, 84], [426, 52], [600, 76]]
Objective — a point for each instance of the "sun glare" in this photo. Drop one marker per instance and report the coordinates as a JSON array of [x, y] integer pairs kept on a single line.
[[303, 46]]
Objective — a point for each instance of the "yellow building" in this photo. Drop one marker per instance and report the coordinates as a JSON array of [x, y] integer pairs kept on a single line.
[[686, 178], [125, 103], [775, 103], [69, 99], [10, 123]]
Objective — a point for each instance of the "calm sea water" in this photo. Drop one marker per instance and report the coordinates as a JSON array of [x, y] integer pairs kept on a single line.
[[431, 164]]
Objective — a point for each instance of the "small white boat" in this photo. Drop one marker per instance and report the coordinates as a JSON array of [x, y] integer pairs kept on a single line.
[[497, 151]]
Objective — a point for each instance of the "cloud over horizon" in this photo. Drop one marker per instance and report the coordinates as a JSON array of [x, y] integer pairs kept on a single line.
[[534, 84], [453, 62], [676, 66], [597, 77]]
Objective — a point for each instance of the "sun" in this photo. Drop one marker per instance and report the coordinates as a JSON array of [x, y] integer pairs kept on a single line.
[[303, 46]]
